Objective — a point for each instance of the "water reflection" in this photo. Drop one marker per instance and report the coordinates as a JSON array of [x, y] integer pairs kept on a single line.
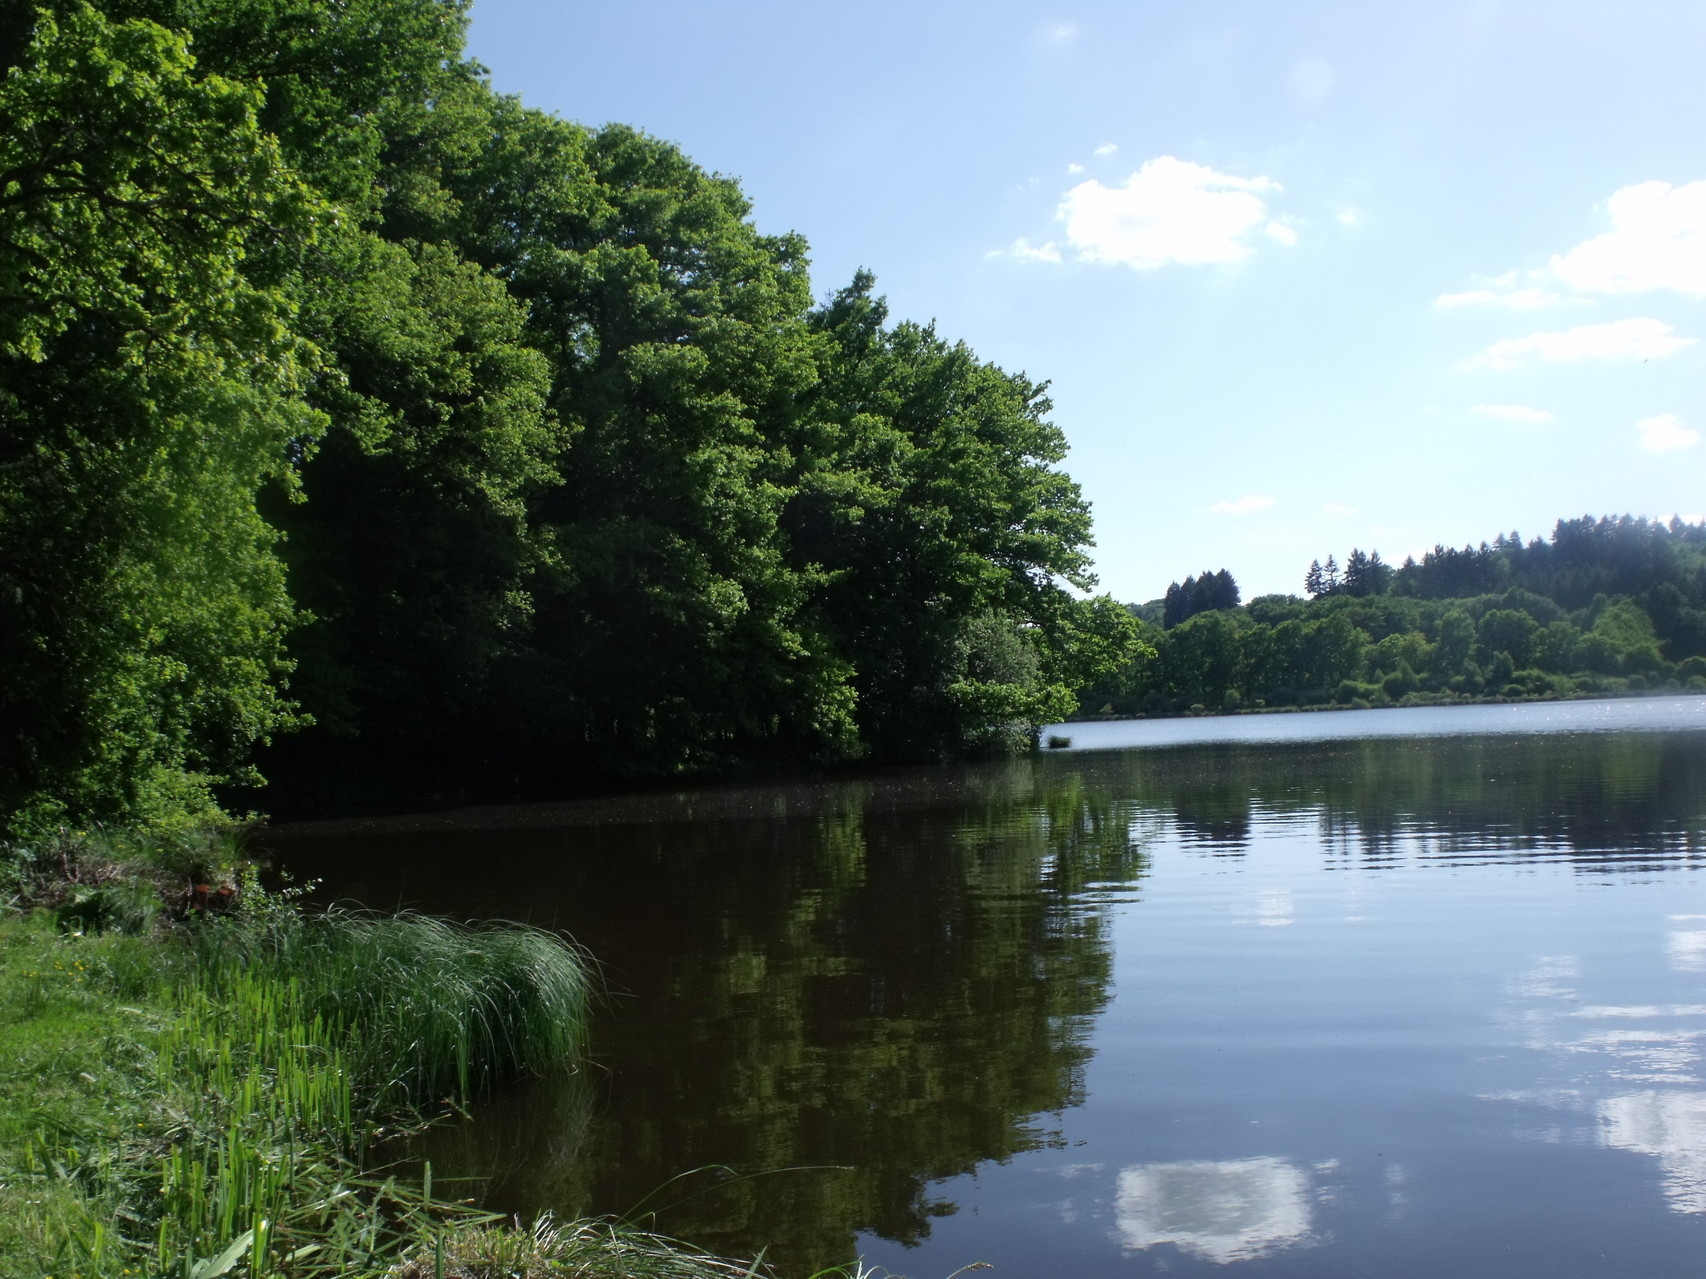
[[1229, 1210], [1610, 803], [1687, 946], [1671, 1126], [822, 1009], [1620, 1045], [1269, 908], [834, 999]]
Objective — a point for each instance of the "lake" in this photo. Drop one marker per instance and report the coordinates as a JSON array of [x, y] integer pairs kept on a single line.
[[1395, 993]]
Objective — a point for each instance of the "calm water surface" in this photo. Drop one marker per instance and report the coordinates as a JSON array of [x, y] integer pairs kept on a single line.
[[1414, 993]]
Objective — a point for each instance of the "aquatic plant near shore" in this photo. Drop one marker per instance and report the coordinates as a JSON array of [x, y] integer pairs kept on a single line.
[[424, 1008], [586, 1249], [591, 1249]]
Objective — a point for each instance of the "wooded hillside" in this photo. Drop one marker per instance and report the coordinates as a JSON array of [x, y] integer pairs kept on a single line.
[[1603, 606]]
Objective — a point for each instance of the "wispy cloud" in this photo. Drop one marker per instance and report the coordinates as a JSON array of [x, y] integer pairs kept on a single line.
[[1107, 148], [1058, 33], [1349, 217], [1665, 434], [1170, 212], [1529, 299], [1513, 413], [1640, 339], [1025, 251], [1657, 241], [1249, 504]]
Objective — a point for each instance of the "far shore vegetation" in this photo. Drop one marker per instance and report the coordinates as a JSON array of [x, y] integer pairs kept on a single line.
[[1607, 607]]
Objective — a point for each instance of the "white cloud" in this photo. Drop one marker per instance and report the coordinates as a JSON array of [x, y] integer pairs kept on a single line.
[[1107, 148], [1620, 340], [1514, 413], [1657, 241], [1169, 211], [1665, 434], [1249, 504], [1349, 217], [1058, 32], [1075, 167], [1280, 232], [1529, 299], [1338, 509], [1025, 251]]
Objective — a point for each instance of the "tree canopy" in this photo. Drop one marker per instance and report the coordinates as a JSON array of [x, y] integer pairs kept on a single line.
[[481, 450], [1196, 595]]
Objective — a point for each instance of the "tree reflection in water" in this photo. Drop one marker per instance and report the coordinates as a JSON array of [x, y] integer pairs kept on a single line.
[[821, 1011]]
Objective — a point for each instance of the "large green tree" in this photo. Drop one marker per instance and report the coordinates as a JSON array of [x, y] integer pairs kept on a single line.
[[668, 623], [150, 382], [950, 536]]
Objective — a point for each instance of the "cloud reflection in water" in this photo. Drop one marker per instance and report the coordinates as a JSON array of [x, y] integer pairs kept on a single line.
[[1666, 1124], [1670, 1125], [1224, 1211], [1688, 950]]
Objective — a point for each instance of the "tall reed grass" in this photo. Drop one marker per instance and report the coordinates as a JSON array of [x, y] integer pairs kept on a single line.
[[420, 1009], [299, 1035]]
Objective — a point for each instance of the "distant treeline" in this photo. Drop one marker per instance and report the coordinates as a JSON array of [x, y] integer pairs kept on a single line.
[[1607, 605], [364, 424]]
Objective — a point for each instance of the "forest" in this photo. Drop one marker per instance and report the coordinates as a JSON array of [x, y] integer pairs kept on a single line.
[[375, 437], [1604, 606]]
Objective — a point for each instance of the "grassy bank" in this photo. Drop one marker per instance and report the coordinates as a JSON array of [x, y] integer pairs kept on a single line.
[[193, 1073]]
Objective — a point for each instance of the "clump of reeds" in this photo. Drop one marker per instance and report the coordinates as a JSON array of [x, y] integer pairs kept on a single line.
[[423, 1008], [298, 1033], [585, 1249], [590, 1249]]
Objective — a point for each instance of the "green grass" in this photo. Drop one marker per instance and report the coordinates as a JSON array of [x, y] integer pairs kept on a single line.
[[195, 1100], [78, 1113]]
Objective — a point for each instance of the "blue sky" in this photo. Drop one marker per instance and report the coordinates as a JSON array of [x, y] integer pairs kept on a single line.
[[1303, 276]]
